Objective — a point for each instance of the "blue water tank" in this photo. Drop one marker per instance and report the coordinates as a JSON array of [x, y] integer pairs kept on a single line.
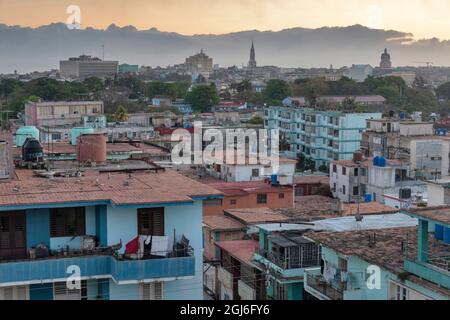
[[438, 131], [439, 232], [376, 161], [402, 116], [444, 132], [447, 235], [368, 197], [274, 179], [382, 162]]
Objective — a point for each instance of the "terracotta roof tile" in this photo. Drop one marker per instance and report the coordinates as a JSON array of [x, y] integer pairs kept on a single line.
[[218, 223], [256, 215], [242, 250], [118, 188]]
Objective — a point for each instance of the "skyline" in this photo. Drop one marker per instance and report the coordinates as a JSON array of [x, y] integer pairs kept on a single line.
[[234, 16]]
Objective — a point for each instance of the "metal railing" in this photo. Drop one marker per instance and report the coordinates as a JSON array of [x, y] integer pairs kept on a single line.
[[318, 283], [289, 263]]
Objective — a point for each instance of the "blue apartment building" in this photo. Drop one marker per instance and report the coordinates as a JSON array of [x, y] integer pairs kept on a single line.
[[388, 264], [319, 135], [46, 225]]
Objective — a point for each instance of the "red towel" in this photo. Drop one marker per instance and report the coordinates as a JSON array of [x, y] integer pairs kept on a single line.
[[132, 246]]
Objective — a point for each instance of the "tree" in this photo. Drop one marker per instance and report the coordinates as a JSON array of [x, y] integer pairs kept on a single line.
[[256, 120], [277, 90], [7, 87], [121, 114], [443, 91], [203, 97]]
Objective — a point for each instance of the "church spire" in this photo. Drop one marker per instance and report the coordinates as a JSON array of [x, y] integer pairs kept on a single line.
[[252, 62]]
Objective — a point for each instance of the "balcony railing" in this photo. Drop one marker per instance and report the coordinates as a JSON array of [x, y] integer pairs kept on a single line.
[[178, 264], [290, 263], [315, 283]]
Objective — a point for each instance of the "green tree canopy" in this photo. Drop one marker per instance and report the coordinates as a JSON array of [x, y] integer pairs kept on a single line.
[[203, 97], [277, 90]]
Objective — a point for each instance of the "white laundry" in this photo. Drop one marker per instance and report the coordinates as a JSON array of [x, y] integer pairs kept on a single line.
[[160, 246]]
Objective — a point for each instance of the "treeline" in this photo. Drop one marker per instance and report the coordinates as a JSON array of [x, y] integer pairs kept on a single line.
[[133, 93]]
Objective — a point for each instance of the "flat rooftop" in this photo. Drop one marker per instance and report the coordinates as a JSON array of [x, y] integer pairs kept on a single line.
[[222, 223], [116, 188], [387, 251], [436, 214], [256, 215], [310, 208]]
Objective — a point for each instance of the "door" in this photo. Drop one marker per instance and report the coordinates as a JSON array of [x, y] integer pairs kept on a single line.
[[13, 236]]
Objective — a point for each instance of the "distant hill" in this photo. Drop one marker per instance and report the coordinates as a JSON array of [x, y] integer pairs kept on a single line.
[[28, 49]]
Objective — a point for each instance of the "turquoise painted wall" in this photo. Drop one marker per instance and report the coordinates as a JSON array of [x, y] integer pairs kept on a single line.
[[121, 224], [38, 227], [295, 291], [101, 228], [123, 292], [187, 220]]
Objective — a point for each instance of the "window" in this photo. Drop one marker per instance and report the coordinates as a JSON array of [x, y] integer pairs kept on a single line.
[[231, 236], [334, 168], [356, 172], [62, 292], [281, 196], [262, 198], [212, 203], [255, 173], [67, 222], [343, 190], [233, 202], [334, 187], [15, 293], [152, 291], [151, 222], [344, 171], [299, 191], [355, 191]]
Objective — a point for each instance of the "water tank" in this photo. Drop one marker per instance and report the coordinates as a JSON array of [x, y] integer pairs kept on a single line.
[[402, 116], [405, 194], [438, 131], [91, 148], [439, 232], [444, 132], [368, 197], [32, 150], [447, 235], [274, 179], [76, 132], [26, 132], [382, 162]]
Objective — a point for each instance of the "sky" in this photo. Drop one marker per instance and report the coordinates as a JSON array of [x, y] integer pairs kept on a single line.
[[422, 18]]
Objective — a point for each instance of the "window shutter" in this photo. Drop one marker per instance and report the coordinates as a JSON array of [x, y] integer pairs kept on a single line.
[[152, 291], [158, 223], [57, 224]]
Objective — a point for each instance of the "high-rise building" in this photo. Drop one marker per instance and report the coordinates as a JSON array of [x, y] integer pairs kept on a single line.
[[87, 66], [252, 62], [385, 60], [199, 63]]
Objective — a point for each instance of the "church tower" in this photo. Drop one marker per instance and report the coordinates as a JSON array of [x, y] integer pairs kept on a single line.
[[252, 62]]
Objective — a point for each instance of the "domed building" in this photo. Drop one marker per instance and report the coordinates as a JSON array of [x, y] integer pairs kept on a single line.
[[385, 60]]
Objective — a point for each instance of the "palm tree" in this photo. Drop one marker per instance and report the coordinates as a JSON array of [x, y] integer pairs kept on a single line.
[[121, 114]]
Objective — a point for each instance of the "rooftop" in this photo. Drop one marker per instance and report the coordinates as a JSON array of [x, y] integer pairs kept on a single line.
[[242, 250], [222, 223], [312, 180], [256, 215], [367, 162], [436, 214], [115, 188], [244, 188], [310, 208], [387, 251]]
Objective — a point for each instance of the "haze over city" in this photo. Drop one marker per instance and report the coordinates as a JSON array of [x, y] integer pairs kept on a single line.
[[217, 17]]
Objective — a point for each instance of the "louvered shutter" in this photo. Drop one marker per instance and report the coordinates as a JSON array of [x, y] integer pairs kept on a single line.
[[152, 291]]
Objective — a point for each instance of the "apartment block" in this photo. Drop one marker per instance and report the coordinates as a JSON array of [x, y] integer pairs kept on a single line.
[[321, 136]]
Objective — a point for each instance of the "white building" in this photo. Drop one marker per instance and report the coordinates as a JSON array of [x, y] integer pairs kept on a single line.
[[87, 66]]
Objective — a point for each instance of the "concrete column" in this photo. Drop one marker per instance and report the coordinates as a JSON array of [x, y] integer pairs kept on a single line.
[[422, 248]]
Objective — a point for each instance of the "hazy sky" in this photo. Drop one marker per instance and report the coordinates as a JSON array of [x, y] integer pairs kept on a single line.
[[423, 18]]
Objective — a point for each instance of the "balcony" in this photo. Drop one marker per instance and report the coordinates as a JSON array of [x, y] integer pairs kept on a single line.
[[316, 285], [436, 270], [97, 266]]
